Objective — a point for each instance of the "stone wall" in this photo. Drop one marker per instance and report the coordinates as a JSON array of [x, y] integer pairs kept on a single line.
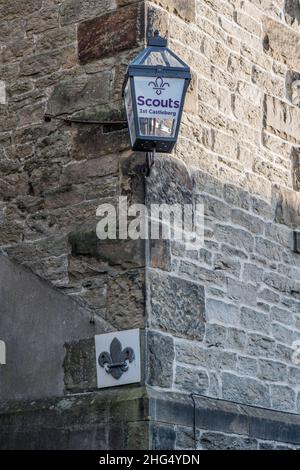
[[221, 320], [226, 316], [53, 175]]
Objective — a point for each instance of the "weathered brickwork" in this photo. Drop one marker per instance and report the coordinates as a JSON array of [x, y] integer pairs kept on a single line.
[[54, 175], [220, 320]]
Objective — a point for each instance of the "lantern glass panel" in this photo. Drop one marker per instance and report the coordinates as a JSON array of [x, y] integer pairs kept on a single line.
[[159, 102], [156, 127], [163, 58]]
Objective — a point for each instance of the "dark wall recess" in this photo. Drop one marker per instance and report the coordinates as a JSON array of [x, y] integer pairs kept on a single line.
[[292, 12], [296, 168]]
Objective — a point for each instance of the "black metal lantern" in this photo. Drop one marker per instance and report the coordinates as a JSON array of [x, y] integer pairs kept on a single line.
[[154, 93]]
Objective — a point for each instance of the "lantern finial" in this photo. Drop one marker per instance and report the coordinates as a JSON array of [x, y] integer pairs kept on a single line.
[[157, 40]]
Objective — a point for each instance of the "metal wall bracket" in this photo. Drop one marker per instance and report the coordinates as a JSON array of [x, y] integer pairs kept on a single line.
[[150, 159], [108, 126], [117, 361]]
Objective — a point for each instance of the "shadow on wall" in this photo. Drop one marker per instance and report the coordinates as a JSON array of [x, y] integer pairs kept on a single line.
[[36, 320]]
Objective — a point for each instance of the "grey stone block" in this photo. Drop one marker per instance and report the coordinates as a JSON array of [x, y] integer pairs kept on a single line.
[[191, 379], [216, 335], [252, 273], [282, 333], [268, 249], [294, 375], [163, 437], [236, 196], [245, 390], [247, 366], [218, 311], [184, 438], [236, 339], [255, 320], [225, 263], [218, 441], [259, 345], [125, 307], [281, 315], [161, 355], [241, 292], [292, 12], [177, 305], [169, 183], [266, 446], [74, 95], [272, 370], [80, 366], [283, 398], [211, 358], [238, 238], [251, 223]]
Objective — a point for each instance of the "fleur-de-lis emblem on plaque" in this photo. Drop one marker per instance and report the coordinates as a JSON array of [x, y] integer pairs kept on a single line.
[[159, 85], [116, 362]]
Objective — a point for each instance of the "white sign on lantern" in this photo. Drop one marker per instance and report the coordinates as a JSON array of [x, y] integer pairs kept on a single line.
[[160, 99]]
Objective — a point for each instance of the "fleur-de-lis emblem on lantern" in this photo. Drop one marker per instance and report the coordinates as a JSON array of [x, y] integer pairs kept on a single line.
[[116, 362], [159, 85]]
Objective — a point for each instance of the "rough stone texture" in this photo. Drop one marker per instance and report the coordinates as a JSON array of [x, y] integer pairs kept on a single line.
[[77, 94], [191, 380], [160, 361], [177, 306], [55, 175], [80, 366], [281, 43], [288, 208], [125, 300], [231, 308], [219, 441], [245, 390], [185, 10], [72, 11], [282, 119]]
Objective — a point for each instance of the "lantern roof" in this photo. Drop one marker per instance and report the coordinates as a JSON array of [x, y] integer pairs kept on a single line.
[[158, 58]]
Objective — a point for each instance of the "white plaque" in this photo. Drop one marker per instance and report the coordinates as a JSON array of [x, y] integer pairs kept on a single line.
[[118, 358]]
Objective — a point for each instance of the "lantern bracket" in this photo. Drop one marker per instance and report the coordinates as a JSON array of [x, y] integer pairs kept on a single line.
[[108, 126], [150, 158]]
